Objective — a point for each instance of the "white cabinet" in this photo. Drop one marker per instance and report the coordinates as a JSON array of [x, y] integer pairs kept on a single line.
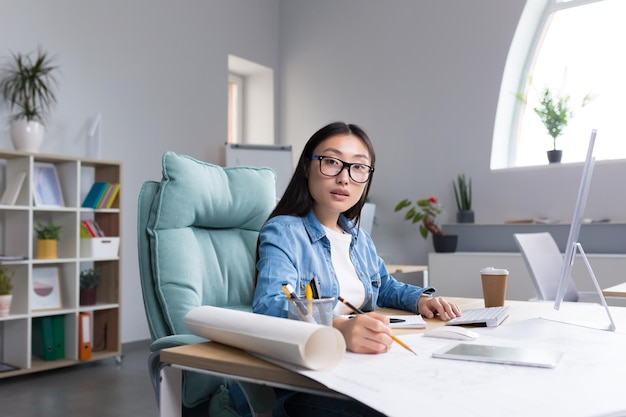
[[18, 238], [457, 274]]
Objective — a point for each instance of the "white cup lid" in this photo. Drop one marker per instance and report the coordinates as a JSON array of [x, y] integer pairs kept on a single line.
[[490, 270]]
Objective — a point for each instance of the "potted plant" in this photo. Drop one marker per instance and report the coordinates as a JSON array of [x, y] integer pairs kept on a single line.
[[47, 237], [89, 280], [426, 211], [554, 110], [6, 287], [27, 83], [463, 196]]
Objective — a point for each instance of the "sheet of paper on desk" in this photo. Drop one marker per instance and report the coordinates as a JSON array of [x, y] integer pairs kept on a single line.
[[303, 344], [409, 321], [399, 384]]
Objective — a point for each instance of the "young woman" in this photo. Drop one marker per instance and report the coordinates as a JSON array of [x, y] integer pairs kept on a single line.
[[313, 233]]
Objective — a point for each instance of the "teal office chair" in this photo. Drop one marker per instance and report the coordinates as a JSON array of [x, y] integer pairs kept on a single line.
[[197, 235]]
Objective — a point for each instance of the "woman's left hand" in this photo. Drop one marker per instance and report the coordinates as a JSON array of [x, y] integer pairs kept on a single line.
[[429, 307]]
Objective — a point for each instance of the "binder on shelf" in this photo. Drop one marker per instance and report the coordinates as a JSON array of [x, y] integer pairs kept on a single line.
[[12, 189], [43, 338], [84, 336], [95, 195], [58, 329]]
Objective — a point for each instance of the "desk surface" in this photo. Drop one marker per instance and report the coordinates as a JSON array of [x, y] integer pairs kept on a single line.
[[577, 372], [234, 362], [615, 291], [218, 358]]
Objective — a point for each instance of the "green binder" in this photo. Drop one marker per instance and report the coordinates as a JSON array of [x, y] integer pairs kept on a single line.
[[43, 338], [58, 330]]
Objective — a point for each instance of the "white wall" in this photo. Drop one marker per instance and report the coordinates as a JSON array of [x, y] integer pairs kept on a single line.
[[157, 70], [423, 78]]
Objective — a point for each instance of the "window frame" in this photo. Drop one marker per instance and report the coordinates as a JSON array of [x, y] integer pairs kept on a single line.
[[532, 27], [235, 111]]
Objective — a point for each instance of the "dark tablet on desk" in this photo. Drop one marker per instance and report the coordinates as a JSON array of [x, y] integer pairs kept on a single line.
[[510, 355]]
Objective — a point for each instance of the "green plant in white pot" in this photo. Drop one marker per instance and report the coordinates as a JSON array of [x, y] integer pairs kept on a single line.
[[28, 85]]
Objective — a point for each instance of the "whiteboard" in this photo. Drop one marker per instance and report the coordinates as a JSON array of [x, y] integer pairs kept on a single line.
[[277, 157]]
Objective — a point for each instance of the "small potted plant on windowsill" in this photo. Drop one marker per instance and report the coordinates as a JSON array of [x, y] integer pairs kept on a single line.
[[6, 287], [463, 196], [47, 237], [89, 280], [426, 211], [554, 110]]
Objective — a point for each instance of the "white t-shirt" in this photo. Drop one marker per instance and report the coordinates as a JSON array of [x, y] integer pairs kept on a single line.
[[350, 286]]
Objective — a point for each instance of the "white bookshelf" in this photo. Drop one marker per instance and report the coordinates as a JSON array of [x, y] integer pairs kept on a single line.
[[17, 237]]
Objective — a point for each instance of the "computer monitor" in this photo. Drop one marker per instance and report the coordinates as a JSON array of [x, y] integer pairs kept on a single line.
[[572, 241]]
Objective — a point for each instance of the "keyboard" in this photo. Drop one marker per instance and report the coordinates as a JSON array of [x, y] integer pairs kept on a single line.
[[486, 316]]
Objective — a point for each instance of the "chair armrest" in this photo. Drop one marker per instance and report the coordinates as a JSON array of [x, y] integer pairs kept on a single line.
[[175, 340]]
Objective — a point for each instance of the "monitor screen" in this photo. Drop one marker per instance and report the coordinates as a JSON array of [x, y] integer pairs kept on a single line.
[[577, 219]]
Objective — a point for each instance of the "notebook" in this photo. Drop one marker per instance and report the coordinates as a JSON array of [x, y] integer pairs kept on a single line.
[[510, 355], [409, 321]]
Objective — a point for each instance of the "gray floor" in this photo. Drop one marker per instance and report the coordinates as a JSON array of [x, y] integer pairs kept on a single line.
[[98, 389]]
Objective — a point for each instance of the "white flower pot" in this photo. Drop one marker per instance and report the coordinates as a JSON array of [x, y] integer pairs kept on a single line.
[[5, 304], [26, 136]]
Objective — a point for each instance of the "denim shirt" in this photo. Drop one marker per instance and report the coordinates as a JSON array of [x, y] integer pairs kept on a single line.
[[293, 250]]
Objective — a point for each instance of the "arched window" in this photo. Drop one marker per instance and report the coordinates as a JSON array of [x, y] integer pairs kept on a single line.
[[576, 49]]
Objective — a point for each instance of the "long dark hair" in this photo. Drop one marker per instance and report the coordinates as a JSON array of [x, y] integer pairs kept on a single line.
[[297, 199]]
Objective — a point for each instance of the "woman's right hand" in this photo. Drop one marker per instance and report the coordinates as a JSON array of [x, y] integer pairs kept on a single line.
[[365, 333]]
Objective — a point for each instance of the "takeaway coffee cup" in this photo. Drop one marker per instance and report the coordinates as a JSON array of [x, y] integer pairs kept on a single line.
[[494, 286]]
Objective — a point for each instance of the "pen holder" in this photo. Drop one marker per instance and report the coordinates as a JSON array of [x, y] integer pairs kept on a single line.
[[318, 311]]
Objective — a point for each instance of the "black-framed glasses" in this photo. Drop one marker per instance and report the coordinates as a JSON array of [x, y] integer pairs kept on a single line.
[[331, 167]]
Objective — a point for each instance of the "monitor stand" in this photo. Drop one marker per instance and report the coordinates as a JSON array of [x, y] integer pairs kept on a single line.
[[611, 325]]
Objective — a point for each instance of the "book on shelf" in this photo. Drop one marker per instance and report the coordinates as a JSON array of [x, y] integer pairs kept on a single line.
[[279, 340], [13, 257], [102, 195], [95, 194], [12, 189], [109, 195], [90, 228]]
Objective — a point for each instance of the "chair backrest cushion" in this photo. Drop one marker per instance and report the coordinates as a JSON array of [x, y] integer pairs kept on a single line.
[[203, 228], [544, 261]]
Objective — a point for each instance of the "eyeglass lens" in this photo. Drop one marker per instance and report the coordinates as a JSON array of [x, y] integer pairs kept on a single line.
[[331, 167]]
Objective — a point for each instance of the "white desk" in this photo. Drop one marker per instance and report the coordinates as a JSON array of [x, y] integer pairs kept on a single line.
[[618, 290], [584, 383]]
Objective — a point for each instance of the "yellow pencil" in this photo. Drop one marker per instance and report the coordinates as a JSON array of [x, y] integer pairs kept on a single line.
[[359, 311], [290, 293], [309, 296]]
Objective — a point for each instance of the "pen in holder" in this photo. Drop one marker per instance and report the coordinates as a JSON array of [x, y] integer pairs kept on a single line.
[[319, 310]]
